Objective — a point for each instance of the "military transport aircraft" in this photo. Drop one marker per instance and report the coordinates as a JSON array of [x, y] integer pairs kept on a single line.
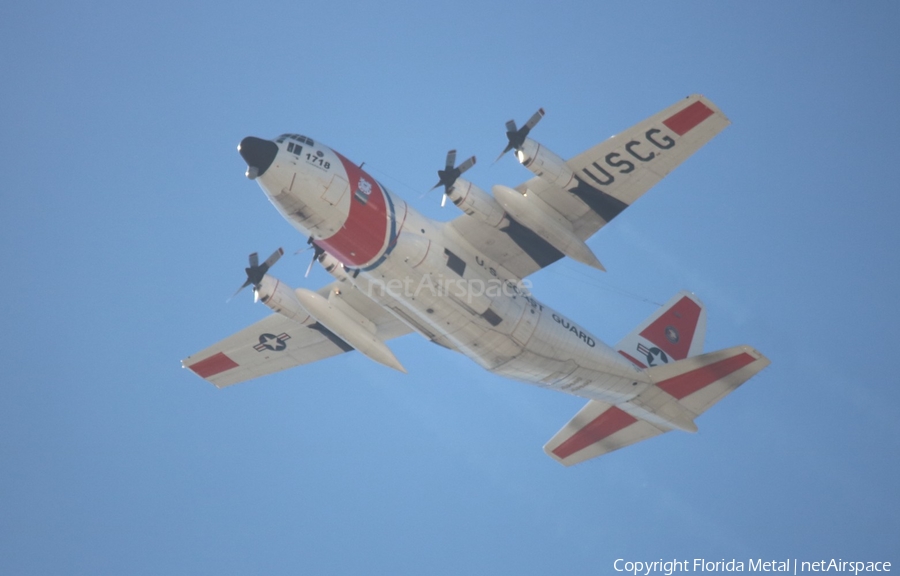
[[461, 284]]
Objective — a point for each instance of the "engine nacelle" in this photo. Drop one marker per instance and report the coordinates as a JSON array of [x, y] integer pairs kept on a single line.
[[334, 267], [304, 305], [281, 299], [545, 164], [476, 202]]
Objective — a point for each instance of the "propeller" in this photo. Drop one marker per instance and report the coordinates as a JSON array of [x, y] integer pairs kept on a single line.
[[256, 271], [317, 252], [516, 137], [449, 174]]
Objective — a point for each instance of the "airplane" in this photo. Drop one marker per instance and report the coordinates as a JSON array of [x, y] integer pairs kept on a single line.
[[462, 284]]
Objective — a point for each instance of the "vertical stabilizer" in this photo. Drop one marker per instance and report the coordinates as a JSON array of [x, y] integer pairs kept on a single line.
[[674, 332]]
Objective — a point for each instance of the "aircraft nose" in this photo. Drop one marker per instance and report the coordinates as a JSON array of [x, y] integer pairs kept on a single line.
[[258, 154]]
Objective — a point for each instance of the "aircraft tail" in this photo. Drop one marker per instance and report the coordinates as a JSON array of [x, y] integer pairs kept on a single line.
[[674, 332], [686, 383], [681, 391], [699, 382]]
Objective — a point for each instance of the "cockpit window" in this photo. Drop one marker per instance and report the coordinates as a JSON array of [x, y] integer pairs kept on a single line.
[[297, 137]]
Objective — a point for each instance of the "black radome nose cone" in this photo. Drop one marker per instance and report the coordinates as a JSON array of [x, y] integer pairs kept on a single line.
[[258, 154]]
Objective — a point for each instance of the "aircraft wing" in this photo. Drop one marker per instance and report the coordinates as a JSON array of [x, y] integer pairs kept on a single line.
[[608, 178], [277, 343]]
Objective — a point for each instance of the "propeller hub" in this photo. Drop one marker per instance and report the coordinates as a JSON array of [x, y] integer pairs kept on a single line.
[[256, 271], [515, 137], [449, 175]]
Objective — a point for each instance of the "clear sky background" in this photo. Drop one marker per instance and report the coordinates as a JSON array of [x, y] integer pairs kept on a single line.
[[126, 222]]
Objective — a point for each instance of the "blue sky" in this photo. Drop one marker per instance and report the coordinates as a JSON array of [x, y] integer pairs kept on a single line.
[[126, 222]]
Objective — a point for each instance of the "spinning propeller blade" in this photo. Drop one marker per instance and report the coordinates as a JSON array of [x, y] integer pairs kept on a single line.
[[317, 252], [448, 176], [516, 136], [256, 271]]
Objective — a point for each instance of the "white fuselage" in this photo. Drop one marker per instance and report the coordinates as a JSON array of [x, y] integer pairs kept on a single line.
[[434, 281]]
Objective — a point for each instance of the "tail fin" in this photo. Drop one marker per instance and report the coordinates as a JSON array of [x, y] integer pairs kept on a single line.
[[674, 332], [682, 390]]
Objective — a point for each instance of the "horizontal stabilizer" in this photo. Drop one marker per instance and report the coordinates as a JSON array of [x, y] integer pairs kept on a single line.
[[701, 381], [682, 391], [597, 429]]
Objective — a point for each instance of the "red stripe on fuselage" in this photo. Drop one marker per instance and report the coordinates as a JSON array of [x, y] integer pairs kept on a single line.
[[213, 365], [633, 360], [364, 235], [602, 426], [684, 121], [689, 382]]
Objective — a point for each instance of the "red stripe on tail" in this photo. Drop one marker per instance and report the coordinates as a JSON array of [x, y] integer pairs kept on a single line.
[[599, 428], [673, 332], [689, 382]]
